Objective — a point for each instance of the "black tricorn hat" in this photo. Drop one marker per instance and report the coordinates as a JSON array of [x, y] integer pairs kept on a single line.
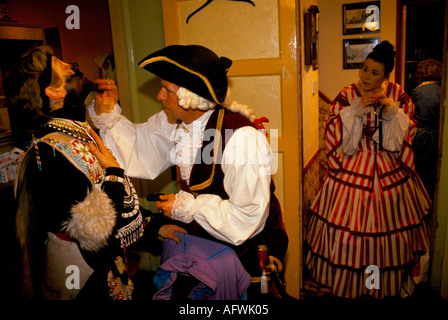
[[193, 67]]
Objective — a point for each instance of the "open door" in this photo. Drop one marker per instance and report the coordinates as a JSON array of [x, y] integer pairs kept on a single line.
[[422, 34]]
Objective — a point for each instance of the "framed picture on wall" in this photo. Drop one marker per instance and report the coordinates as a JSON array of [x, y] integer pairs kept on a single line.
[[4, 15], [361, 17], [356, 51]]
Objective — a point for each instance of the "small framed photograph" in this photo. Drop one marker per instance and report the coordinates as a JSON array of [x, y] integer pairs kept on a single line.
[[356, 51], [4, 15], [361, 17]]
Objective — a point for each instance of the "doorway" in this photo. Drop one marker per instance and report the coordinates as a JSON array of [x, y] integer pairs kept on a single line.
[[259, 43], [420, 32], [421, 35]]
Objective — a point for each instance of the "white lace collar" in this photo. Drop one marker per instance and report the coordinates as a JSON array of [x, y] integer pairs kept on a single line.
[[188, 139]]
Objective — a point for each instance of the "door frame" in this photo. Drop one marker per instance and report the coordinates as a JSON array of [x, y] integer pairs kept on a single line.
[[290, 143], [438, 262]]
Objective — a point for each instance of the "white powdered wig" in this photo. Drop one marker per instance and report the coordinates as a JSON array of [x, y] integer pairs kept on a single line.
[[188, 99], [92, 221]]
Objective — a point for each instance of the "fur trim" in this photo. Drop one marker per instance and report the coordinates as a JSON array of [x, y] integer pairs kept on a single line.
[[92, 221]]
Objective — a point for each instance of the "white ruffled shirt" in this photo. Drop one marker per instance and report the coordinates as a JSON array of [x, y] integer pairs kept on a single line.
[[147, 149], [395, 126], [187, 140]]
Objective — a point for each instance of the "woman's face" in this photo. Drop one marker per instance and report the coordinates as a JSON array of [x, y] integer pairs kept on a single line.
[[372, 75]]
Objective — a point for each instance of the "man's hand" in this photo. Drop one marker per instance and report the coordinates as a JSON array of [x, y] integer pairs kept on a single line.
[[103, 154], [107, 96], [165, 205], [167, 231]]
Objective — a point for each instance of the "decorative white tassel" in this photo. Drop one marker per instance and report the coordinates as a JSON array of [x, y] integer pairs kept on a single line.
[[92, 220], [264, 283]]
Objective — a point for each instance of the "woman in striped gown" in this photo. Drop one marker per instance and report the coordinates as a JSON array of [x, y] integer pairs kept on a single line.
[[370, 209]]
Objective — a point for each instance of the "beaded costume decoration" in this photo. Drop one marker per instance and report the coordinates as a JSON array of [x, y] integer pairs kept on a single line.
[[79, 130], [76, 151], [72, 141]]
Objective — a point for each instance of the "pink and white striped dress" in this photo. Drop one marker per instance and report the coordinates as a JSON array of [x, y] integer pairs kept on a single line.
[[370, 209]]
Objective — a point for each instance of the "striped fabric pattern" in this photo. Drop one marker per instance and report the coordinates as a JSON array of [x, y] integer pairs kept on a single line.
[[370, 209]]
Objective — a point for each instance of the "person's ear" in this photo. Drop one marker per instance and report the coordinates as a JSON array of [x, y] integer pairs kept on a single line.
[[55, 93]]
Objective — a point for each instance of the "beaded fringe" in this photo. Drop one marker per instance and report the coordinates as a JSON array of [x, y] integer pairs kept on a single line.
[[131, 232]]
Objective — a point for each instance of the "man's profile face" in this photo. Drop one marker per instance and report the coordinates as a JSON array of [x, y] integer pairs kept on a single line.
[[167, 95], [75, 86]]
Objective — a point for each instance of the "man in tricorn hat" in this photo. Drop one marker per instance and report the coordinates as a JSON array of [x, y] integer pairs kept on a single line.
[[223, 161]]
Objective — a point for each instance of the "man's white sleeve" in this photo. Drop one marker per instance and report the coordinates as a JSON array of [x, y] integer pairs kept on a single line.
[[246, 165], [143, 149]]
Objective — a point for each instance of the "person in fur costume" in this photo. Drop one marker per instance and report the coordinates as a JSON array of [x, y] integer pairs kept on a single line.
[[77, 210]]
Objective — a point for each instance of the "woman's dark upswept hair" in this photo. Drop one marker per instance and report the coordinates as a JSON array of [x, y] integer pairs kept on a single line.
[[384, 53], [27, 107]]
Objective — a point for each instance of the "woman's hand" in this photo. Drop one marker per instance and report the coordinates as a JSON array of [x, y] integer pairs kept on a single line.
[[383, 100], [368, 99], [104, 156]]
